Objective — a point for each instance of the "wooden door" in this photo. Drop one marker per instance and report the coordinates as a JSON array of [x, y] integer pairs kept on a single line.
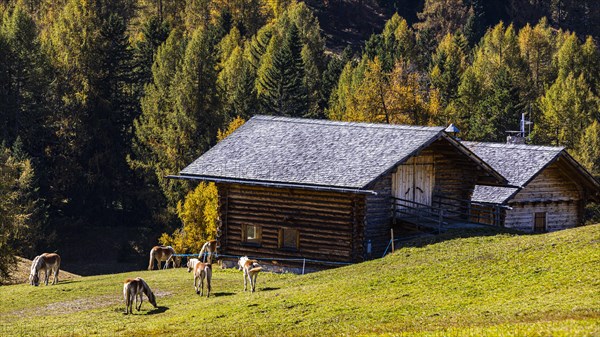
[[423, 180], [414, 182], [539, 222]]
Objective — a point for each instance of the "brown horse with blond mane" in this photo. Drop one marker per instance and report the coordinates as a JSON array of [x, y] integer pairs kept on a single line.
[[207, 251], [133, 289], [46, 262], [163, 253]]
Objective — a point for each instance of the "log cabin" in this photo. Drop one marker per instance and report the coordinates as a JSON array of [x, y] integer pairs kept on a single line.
[[547, 191], [330, 191]]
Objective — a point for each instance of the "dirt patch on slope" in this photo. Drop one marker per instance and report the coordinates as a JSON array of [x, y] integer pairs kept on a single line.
[[21, 273], [80, 304]]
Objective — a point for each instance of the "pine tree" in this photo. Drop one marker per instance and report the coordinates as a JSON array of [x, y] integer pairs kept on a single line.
[[22, 212], [236, 80], [282, 90], [448, 64], [397, 41], [153, 34], [25, 76], [441, 17], [588, 149], [498, 112], [568, 107], [151, 149], [332, 74], [260, 43], [492, 87], [570, 58], [537, 49], [474, 27]]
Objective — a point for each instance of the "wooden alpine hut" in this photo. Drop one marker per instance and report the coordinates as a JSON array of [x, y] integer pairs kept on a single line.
[[325, 190], [549, 189]]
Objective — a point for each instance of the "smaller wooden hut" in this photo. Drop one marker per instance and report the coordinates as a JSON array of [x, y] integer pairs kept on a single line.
[[548, 188]]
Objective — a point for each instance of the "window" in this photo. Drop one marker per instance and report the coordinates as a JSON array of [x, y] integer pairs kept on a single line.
[[539, 224], [289, 238], [251, 234]]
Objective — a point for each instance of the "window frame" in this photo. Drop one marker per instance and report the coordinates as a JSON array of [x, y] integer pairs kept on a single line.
[[281, 238], [257, 241]]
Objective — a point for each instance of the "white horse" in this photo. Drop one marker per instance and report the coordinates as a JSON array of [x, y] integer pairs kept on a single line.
[[46, 262], [134, 289], [202, 271], [191, 264], [210, 248], [251, 269], [163, 253]]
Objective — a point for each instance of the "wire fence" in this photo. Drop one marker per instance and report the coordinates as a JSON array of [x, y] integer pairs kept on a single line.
[[303, 260]]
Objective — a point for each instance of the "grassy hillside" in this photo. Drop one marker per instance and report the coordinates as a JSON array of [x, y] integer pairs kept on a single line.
[[501, 285]]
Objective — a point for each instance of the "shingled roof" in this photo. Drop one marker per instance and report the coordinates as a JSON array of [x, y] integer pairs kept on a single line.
[[519, 163], [311, 152]]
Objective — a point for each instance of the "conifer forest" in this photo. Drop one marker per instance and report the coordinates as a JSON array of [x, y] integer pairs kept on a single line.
[[100, 100]]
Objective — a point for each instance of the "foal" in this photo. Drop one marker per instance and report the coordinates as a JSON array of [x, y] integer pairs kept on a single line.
[[134, 289], [191, 264], [251, 269], [202, 271], [46, 262]]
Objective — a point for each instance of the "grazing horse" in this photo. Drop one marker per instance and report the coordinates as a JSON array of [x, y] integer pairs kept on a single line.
[[191, 264], [46, 262], [210, 248], [163, 253], [202, 271], [251, 269], [134, 289]]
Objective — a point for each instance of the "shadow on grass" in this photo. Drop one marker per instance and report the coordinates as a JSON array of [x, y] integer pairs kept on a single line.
[[223, 293], [269, 289], [67, 282], [158, 310]]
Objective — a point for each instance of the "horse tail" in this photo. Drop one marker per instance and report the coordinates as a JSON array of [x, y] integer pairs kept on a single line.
[[151, 263], [57, 267]]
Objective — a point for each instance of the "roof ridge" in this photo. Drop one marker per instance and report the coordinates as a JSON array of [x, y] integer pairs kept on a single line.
[[347, 124], [521, 146]]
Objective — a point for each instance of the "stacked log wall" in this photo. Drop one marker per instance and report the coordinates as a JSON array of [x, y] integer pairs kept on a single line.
[[330, 224], [379, 215], [552, 192]]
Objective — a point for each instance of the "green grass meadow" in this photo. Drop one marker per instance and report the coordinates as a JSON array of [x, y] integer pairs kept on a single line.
[[486, 285]]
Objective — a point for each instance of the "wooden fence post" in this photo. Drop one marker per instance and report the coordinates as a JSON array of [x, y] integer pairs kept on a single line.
[[392, 232]]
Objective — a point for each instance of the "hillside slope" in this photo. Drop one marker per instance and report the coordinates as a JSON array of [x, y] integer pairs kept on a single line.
[[499, 285], [21, 273]]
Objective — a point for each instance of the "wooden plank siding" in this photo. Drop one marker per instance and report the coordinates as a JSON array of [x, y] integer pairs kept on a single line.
[[455, 176], [552, 192], [330, 224]]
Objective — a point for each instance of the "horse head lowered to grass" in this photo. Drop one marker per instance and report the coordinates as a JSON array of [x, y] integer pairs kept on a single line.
[[46, 262], [134, 289]]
